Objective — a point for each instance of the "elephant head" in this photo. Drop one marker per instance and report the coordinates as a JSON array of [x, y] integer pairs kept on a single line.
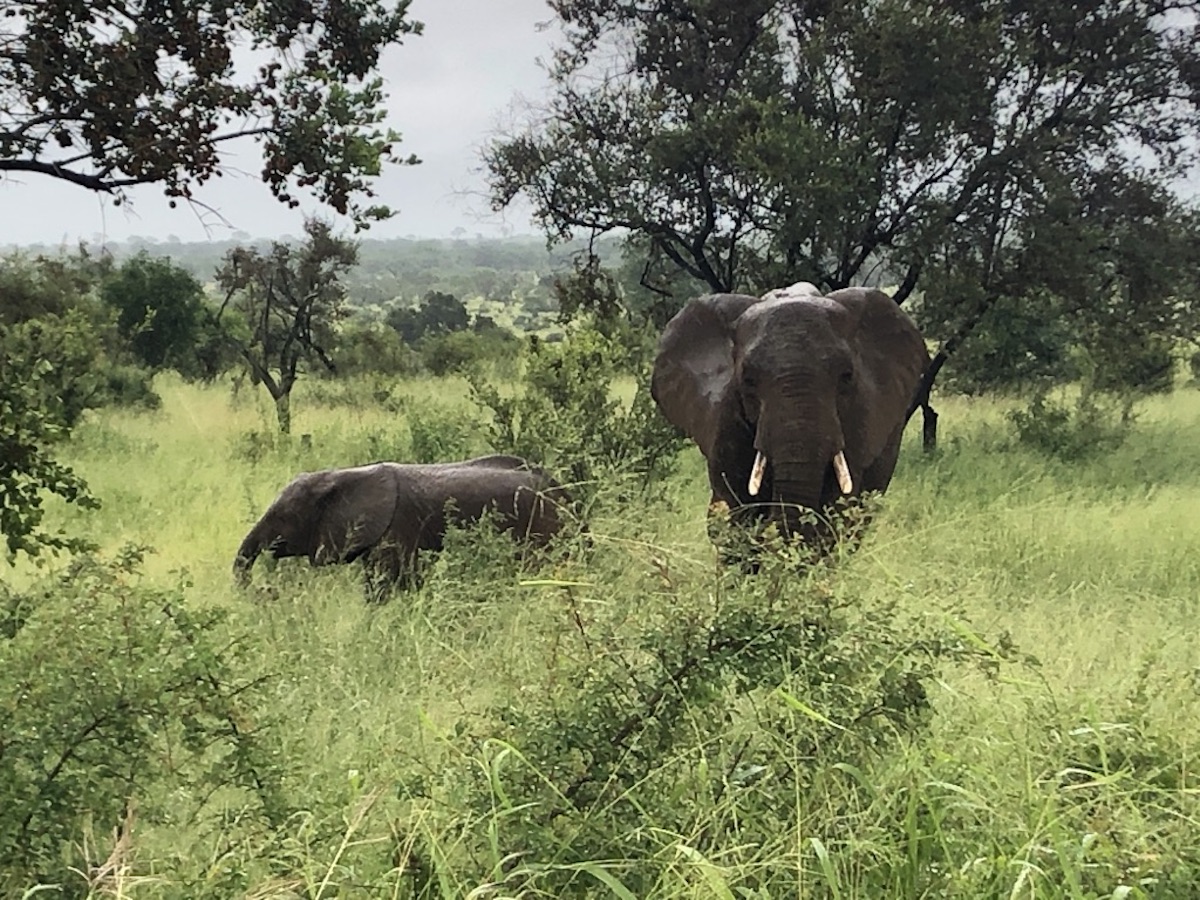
[[330, 516], [795, 399]]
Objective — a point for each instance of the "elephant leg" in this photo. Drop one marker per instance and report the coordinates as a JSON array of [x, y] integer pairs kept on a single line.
[[412, 567], [376, 589], [383, 571]]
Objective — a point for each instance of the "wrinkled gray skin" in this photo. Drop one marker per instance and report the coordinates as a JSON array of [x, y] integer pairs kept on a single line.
[[799, 377], [386, 512]]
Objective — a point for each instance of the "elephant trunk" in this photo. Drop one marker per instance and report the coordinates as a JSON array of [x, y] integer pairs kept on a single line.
[[247, 553], [798, 491]]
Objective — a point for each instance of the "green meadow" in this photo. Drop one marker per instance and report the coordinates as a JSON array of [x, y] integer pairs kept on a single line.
[[997, 694]]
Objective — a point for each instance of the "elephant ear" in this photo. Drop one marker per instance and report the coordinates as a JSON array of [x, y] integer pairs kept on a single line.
[[355, 511], [693, 368], [892, 350]]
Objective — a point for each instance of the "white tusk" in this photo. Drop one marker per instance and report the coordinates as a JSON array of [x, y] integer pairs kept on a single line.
[[845, 482], [756, 474]]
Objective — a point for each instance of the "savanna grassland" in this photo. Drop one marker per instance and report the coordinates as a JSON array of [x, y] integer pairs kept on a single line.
[[997, 694]]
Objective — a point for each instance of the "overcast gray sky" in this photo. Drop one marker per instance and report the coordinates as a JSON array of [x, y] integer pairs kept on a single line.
[[449, 89]]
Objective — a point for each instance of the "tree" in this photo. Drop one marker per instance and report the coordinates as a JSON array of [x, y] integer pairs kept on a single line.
[[106, 96], [754, 144], [289, 301], [438, 314], [159, 310]]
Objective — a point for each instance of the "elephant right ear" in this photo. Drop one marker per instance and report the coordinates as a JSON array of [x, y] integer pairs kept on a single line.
[[693, 368]]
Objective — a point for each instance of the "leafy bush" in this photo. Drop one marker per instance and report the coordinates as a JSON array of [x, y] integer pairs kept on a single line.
[[1129, 363], [1093, 424], [460, 352], [373, 349], [1019, 345], [440, 432], [79, 372], [160, 312], [27, 466], [119, 699], [699, 726], [565, 417]]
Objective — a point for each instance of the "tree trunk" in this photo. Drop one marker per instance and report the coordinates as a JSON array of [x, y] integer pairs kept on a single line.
[[283, 412], [928, 427], [949, 346]]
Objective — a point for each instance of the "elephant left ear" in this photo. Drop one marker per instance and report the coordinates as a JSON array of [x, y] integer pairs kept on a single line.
[[892, 348], [693, 368], [356, 511]]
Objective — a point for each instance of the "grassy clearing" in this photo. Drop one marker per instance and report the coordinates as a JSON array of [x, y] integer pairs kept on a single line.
[[1067, 774]]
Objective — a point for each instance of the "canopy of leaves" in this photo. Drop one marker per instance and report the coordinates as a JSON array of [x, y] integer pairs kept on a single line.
[[753, 144], [108, 95]]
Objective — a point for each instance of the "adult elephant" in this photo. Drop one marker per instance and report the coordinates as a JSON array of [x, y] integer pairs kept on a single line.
[[387, 512], [795, 399]]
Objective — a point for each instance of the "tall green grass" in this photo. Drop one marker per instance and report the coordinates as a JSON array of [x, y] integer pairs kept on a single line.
[[1062, 771]]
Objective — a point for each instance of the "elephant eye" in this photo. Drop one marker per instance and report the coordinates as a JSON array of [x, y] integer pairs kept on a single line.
[[846, 379]]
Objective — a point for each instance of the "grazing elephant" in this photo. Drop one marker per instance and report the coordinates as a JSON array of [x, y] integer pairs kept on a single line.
[[795, 399], [387, 512]]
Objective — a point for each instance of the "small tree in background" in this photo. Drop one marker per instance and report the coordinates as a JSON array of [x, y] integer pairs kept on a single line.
[[438, 313], [289, 301], [160, 312]]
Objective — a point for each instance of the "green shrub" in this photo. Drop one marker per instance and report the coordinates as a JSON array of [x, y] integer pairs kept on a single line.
[[460, 352], [1129, 363], [565, 417], [118, 698], [700, 725], [1093, 424], [441, 432], [30, 426], [373, 349]]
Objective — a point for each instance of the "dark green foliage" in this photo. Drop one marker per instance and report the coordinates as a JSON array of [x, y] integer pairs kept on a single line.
[[440, 432], [48, 284], [1016, 347], [438, 313], [160, 312], [564, 416], [1136, 363], [495, 349], [373, 348], [60, 355], [104, 107], [120, 700], [78, 371], [28, 429], [450, 340]]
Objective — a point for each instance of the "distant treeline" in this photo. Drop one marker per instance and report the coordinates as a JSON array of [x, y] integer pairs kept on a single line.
[[402, 270]]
